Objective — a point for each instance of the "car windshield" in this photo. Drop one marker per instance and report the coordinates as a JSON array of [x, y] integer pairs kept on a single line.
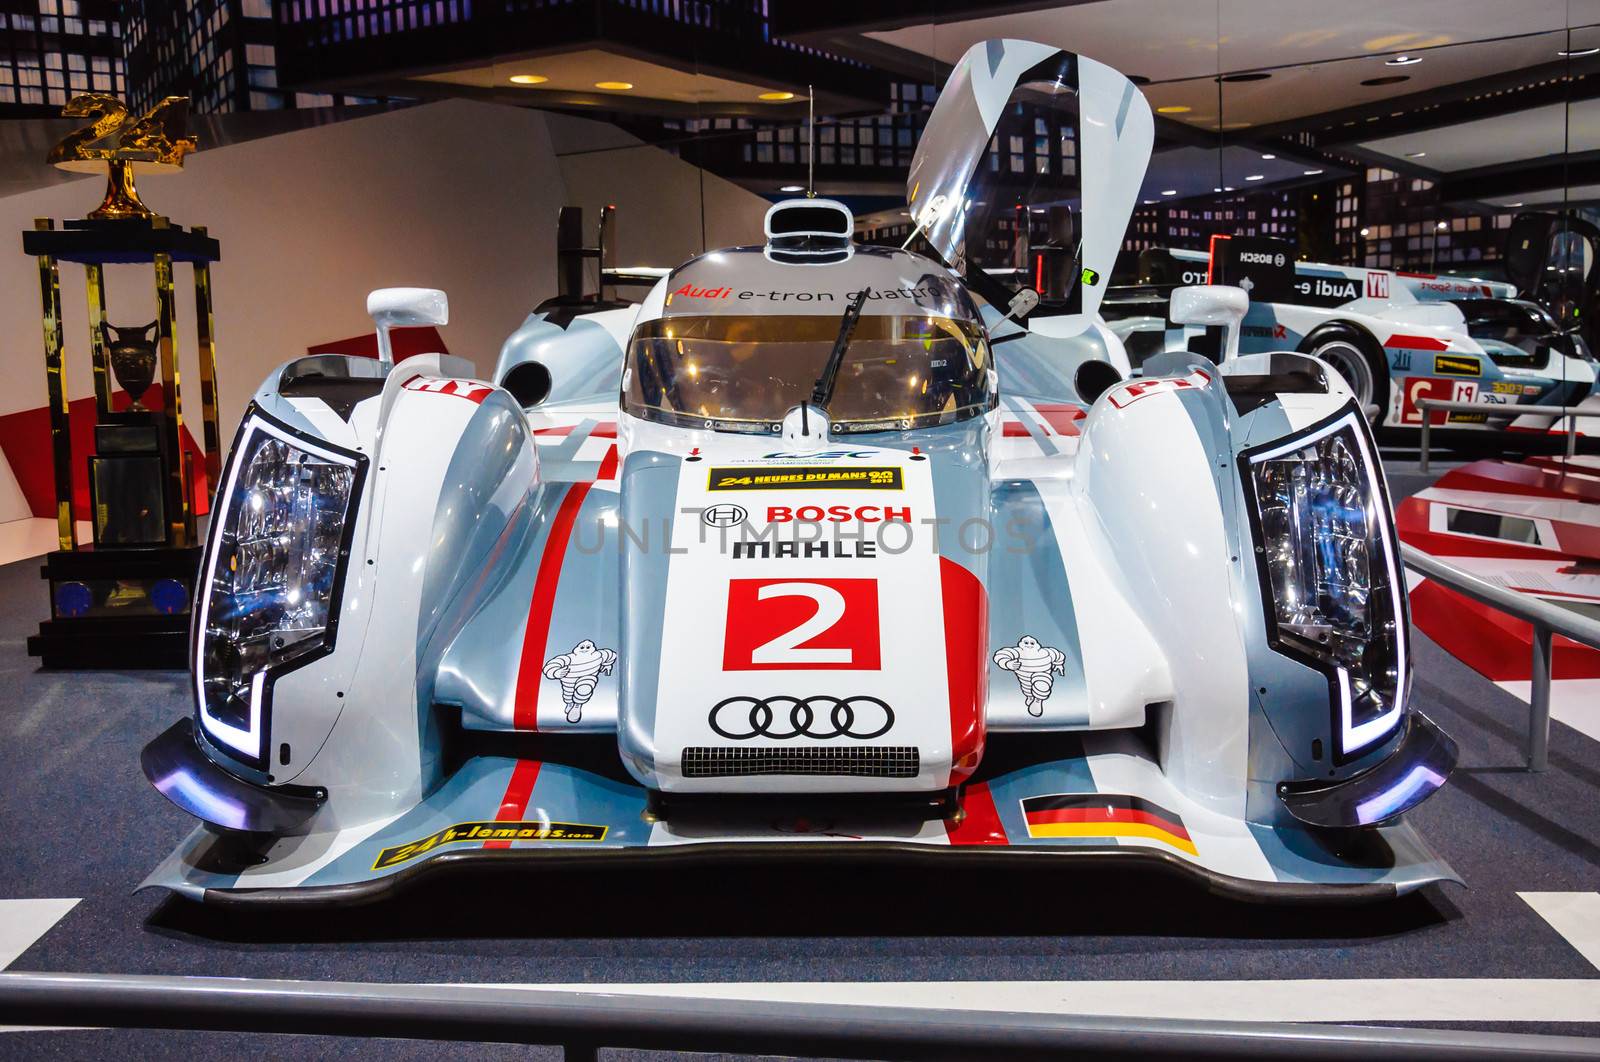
[[743, 373]]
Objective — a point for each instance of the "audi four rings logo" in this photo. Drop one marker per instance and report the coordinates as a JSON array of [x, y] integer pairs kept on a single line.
[[859, 717], [724, 515]]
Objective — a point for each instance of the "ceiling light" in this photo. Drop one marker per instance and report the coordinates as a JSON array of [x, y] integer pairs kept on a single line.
[[1364, 232], [614, 86], [1416, 154], [792, 188], [1216, 189], [776, 97], [528, 79], [1513, 204], [1173, 108], [1256, 177], [1391, 79], [1170, 191], [1442, 225], [1228, 188], [1269, 156], [1576, 52], [1312, 173], [1403, 60]]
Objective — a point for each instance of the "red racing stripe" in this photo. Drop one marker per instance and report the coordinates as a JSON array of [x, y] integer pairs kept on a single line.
[[1400, 342], [519, 790], [1063, 419], [981, 823], [608, 466], [526, 714], [1013, 429], [966, 637]]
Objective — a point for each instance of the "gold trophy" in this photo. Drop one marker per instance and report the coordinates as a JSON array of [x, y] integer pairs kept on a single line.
[[117, 140], [124, 601]]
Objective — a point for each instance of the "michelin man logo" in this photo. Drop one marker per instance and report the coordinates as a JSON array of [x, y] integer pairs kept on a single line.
[[1036, 667], [578, 672]]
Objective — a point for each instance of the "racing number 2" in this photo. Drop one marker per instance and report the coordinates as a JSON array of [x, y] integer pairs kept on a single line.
[[802, 624]]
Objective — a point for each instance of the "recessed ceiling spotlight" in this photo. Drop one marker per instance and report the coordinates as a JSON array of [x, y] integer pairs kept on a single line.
[[1390, 79], [1403, 60], [1312, 173], [1173, 108], [1216, 189], [528, 79], [792, 188], [614, 86], [1576, 52], [1170, 191], [1513, 204], [1228, 188], [1256, 177], [775, 97], [1269, 156], [1416, 154], [1365, 231], [1442, 225]]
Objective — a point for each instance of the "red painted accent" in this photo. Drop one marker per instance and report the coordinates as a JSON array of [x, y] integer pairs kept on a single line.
[[519, 790], [1102, 814], [25, 440], [1404, 342], [1013, 429], [405, 342], [1418, 276], [608, 467], [1211, 263], [1411, 521], [1063, 419], [966, 638], [981, 825], [529, 674], [604, 430], [1038, 274], [560, 429], [1505, 477], [1490, 642]]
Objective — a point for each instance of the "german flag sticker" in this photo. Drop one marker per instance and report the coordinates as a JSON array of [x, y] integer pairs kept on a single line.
[[1104, 815]]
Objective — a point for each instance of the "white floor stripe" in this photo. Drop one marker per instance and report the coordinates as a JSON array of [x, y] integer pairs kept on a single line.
[[24, 921], [1575, 915], [21, 923], [1575, 702], [1332, 1000]]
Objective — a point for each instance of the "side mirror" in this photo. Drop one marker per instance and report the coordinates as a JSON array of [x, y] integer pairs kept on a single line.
[[403, 308], [1211, 304]]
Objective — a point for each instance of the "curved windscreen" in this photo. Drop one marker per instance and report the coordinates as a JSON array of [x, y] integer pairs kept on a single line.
[[743, 373]]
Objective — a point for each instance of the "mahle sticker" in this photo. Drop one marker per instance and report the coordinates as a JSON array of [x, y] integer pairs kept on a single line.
[[814, 476], [489, 831]]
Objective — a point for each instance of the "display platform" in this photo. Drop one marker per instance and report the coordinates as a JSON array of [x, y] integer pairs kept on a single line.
[[1496, 953]]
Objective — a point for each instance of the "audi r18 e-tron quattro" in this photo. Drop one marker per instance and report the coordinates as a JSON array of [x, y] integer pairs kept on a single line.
[[812, 552]]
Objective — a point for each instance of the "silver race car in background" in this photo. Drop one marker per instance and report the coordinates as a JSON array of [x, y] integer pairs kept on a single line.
[[812, 552]]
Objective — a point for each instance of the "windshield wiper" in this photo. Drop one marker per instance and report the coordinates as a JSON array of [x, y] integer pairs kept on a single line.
[[822, 392]]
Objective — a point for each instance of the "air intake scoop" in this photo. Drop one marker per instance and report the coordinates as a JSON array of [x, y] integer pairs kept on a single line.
[[805, 231]]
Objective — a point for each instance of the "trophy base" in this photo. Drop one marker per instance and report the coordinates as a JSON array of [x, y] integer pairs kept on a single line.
[[118, 609]]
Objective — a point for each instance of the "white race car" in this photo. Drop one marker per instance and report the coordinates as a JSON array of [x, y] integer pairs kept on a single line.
[[803, 556]]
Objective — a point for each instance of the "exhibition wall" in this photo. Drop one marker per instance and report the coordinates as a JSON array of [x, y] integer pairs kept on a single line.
[[457, 195]]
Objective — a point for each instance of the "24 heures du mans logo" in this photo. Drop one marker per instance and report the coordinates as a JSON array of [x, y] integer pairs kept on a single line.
[[811, 476]]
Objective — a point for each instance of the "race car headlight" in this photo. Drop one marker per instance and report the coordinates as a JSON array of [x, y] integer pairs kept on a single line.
[[269, 598], [1331, 573]]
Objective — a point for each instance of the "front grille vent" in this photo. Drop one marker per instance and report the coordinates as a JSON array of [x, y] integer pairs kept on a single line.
[[856, 761]]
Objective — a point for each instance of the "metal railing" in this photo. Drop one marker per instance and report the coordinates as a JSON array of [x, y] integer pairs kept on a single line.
[[1548, 621], [1568, 413], [582, 1022]]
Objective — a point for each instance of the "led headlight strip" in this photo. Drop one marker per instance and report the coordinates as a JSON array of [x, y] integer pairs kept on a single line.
[[273, 572], [1305, 534]]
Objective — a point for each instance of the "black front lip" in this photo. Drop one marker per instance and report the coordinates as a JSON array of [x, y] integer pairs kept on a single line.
[[185, 775], [1415, 770]]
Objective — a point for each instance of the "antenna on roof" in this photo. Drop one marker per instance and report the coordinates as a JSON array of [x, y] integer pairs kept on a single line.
[[811, 142]]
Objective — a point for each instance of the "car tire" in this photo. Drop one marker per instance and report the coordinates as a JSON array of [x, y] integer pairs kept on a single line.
[[1356, 356]]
